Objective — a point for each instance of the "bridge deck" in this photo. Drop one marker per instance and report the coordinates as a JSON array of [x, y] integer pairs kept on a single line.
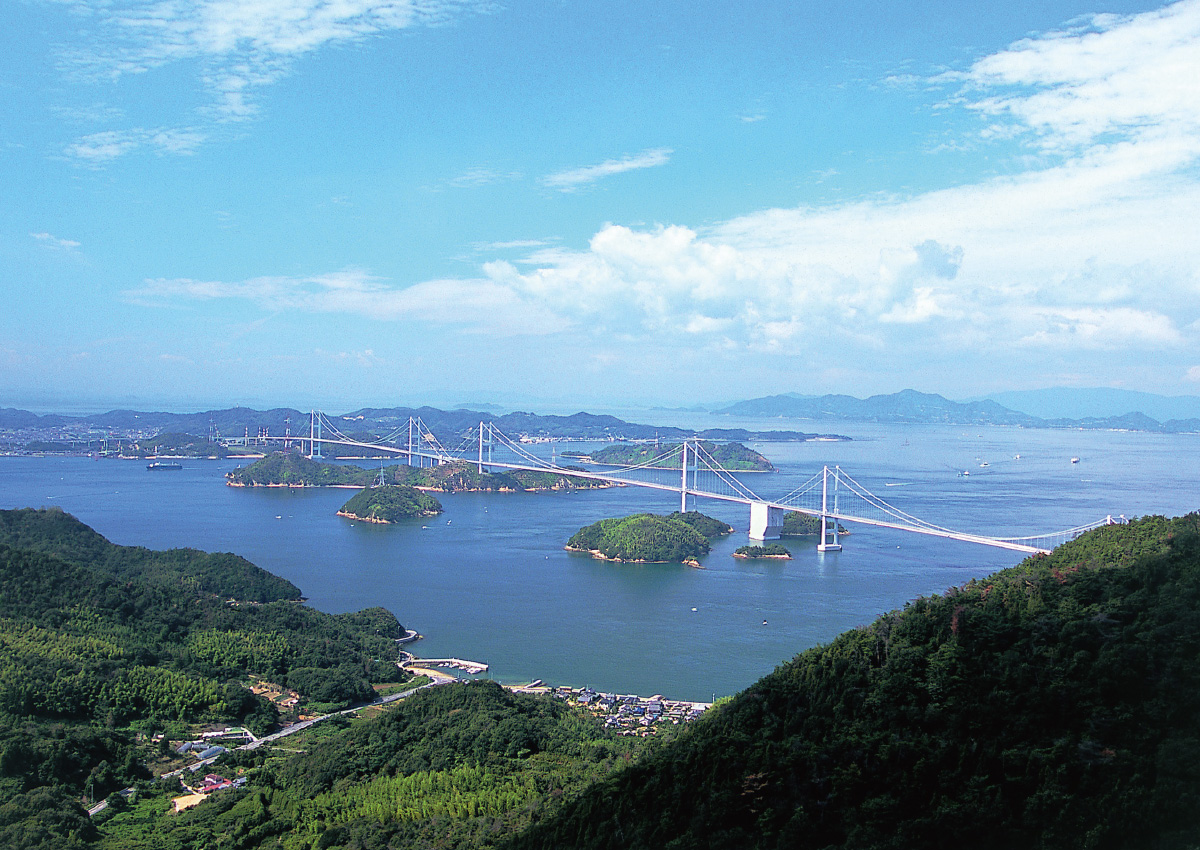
[[746, 497]]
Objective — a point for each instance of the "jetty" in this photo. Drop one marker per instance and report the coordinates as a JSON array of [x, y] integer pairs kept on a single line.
[[453, 663]]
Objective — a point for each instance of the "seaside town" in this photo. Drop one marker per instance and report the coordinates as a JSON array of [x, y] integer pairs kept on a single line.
[[627, 714]]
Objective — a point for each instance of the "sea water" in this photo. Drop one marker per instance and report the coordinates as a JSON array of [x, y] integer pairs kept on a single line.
[[488, 580]]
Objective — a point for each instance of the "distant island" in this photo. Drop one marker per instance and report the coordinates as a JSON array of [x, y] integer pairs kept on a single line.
[[390, 503], [732, 456], [244, 430], [291, 469], [910, 406], [770, 550], [650, 538], [796, 524]]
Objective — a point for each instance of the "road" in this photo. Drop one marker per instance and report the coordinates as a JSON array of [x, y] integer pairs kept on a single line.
[[282, 733]]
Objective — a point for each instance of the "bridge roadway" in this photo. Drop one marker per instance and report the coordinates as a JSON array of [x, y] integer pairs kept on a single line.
[[832, 515], [705, 494]]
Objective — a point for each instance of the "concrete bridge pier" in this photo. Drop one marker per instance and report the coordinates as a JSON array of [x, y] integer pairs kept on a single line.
[[766, 521]]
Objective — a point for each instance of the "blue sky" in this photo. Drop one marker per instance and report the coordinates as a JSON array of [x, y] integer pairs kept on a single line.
[[373, 202]]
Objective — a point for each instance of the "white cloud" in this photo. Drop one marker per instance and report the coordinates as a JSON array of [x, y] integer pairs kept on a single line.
[[1137, 76], [473, 177], [479, 304], [238, 47], [572, 179], [1090, 254], [51, 241], [511, 244], [100, 148]]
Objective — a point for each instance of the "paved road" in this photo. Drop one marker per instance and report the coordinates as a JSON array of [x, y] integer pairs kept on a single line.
[[282, 733]]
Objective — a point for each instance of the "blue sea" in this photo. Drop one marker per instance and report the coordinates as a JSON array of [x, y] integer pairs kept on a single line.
[[489, 580]]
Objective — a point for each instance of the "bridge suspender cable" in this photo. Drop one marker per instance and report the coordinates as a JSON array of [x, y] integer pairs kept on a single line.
[[865, 507]]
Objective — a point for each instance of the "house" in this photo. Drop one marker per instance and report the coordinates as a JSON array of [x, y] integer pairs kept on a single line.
[[214, 782]]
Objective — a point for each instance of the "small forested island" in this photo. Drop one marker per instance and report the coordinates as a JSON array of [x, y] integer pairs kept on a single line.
[[177, 445], [390, 503], [770, 550], [291, 469], [796, 524], [650, 538], [732, 456]]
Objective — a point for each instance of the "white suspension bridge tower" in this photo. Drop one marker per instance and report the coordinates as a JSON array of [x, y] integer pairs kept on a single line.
[[831, 495]]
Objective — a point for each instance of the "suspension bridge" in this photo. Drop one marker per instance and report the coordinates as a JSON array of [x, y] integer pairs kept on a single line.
[[689, 469]]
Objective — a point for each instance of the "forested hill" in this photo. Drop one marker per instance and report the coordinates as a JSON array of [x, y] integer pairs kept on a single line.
[[102, 644], [732, 456], [55, 532], [290, 469], [1052, 705]]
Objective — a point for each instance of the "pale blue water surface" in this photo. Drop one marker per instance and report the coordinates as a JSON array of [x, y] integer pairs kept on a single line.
[[488, 580]]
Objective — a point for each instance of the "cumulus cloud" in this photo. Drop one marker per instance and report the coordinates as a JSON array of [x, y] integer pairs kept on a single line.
[[1131, 75], [1088, 252], [572, 179]]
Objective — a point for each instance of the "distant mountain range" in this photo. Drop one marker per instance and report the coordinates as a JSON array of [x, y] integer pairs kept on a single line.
[[1098, 402], [448, 425], [1099, 409], [910, 406]]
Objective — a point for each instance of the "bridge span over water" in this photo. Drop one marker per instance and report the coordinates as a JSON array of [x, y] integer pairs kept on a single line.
[[831, 495]]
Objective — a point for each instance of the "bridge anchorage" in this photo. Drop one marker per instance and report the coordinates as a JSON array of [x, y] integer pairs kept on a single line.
[[831, 495]]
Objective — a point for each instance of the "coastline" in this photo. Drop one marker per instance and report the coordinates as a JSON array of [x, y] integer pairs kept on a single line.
[[600, 556], [378, 521]]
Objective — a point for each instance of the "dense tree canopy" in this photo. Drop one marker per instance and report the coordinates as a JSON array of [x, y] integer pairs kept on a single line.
[[95, 636], [290, 469], [1052, 705], [649, 537], [390, 503], [733, 456]]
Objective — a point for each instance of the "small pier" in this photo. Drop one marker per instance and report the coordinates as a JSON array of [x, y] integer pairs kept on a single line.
[[453, 663], [456, 664]]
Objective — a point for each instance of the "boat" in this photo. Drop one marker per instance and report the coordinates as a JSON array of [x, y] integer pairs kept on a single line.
[[163, 464], [1074, 460]]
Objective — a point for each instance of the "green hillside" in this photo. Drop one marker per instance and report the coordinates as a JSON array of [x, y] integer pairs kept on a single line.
[[390, 503], [456, 766], [1052, 705], [289, 469], [650, 538], [732, 456], [186, 445], [796, 524], [101, 645], [56, 533]]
